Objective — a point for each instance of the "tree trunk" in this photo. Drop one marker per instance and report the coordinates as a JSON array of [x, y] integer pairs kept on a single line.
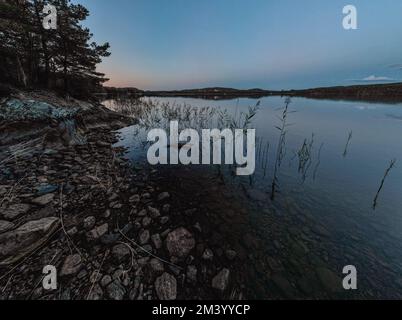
[[44, 45], [22, 78]]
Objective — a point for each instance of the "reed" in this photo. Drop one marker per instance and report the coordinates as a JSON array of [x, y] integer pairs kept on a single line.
[[281, 147], [386, 173]]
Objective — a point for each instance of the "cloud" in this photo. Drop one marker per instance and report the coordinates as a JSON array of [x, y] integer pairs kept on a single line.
[[374, 78]]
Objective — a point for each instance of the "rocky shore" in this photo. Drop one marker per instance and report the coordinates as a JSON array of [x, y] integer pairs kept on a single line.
[[69, 199]]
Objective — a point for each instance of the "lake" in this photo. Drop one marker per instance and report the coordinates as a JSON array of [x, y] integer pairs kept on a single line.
[[338, 185]]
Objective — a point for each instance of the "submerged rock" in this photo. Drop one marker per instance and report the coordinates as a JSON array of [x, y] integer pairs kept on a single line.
[[329, 280]]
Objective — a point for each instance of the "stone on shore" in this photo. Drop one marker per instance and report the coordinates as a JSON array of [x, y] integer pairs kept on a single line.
[[16, 210], [221, 280], [72, 264], [166, 287], [17, 243], [180, 242]]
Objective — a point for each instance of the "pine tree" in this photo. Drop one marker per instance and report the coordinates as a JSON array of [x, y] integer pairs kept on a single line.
[[64, 58]]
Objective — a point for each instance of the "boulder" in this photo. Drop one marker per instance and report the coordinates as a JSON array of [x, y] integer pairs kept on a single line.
[[17, 243]]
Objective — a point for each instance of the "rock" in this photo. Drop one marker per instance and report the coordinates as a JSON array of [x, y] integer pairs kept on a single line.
[[120, 251], [148, 248], [321, 231], [305, 285], [134, 289], [122, 276], [102, 144], [94, 277], [17, 243], [115, 290], [163, 196], [134, 199], [231, 254], [5, 226], [153, 212], [208, 254], [144, 237], [198, 227], [113, 197], [96, 293], [329, 280], [157, 266], [142, 213], [191, 273], [89, 222], [45, 189], [257, 195], [116, 205], [284, 286], [15, 211], [146, 221], [166, 208], [221, 280], [107, 213], [43, 200], [157, 241], [73, 231], [98, 232], [166, 287], [106, 280], [164, 219], [72, 264], [180, 242]]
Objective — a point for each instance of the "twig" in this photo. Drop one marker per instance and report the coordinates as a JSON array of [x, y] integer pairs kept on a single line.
[[97, 274], [146, 251]]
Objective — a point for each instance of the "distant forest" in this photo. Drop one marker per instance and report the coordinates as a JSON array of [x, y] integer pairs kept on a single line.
[[62, 59]]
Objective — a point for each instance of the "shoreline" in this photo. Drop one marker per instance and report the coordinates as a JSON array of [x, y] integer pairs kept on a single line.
[[387, 93], [111, 231]]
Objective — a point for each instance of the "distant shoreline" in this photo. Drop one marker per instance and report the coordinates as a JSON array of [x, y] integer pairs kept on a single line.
[[374, 92]]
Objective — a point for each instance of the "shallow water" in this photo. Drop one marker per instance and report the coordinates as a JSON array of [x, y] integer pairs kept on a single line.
[[327, 208]]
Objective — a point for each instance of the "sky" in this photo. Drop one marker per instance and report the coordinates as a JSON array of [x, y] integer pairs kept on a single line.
[[269, 44]]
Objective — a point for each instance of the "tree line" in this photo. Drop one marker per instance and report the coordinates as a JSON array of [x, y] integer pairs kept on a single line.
[[63, 59]]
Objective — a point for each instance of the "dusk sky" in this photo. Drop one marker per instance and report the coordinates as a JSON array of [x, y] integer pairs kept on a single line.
[[271, 44]]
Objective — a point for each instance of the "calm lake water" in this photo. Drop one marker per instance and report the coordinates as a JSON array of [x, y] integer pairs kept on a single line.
[[325, 190]]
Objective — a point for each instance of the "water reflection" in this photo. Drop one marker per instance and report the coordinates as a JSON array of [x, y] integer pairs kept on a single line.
[[311, 197]]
